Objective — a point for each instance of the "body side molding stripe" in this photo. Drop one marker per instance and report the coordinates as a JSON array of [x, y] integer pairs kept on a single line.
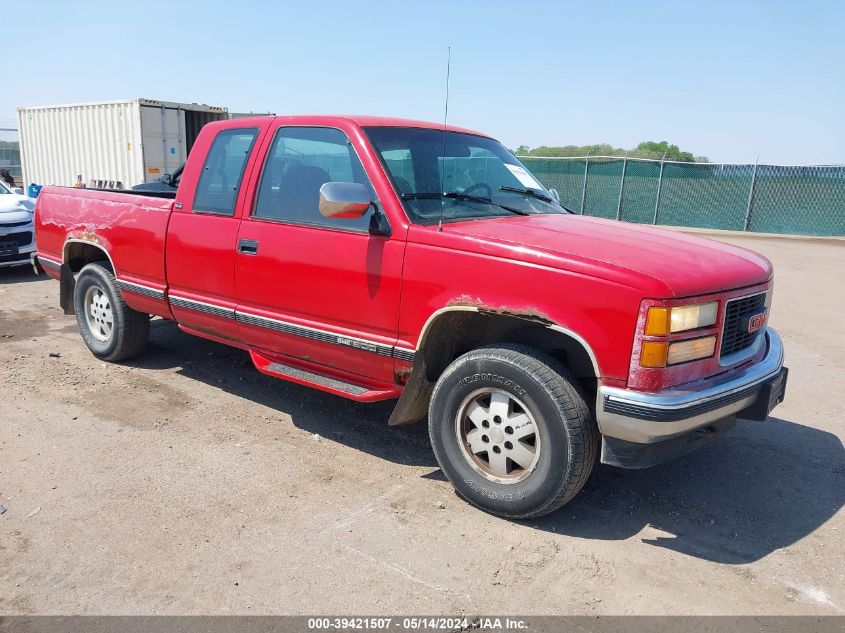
[[200, 306], [404, 354], [140, 289], [323, 336], [46, 261]]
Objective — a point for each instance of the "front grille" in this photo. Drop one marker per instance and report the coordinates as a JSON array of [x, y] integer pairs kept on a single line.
[[20, 257], [734, 337], [22, 239]]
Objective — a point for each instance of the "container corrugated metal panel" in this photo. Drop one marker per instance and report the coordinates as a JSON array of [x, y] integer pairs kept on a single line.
[[118, 143], [97, 141]]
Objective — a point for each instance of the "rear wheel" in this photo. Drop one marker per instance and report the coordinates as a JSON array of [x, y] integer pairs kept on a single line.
[[112, 330], [512, 431]]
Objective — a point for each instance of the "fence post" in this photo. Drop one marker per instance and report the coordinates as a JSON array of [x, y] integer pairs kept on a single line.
[[584, 188], [621, 187], [659, 188], [751, 196]]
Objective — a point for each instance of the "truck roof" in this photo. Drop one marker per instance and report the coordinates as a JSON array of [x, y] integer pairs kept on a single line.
[[361, 120]]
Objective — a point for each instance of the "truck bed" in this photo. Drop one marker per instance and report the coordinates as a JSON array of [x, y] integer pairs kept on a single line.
[[128, 227], [136, 192]]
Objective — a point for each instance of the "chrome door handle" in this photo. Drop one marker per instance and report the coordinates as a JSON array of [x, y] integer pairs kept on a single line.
[[248, 247]]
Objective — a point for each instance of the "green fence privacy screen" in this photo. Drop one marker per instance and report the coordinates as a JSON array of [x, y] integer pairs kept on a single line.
[[808, 200]]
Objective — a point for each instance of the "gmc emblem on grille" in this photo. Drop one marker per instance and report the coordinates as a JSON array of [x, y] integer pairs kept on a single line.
[[754, 322]]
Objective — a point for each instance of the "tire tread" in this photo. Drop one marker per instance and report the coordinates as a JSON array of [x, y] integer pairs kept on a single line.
[[570, 401], [132, 328]]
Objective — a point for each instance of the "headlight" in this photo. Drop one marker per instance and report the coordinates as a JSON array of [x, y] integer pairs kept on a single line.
[[661, 353], [665, 320]]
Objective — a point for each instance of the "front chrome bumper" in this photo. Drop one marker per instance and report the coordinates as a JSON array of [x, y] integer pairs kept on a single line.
[[646, 418], [24, 252], [23, 257]]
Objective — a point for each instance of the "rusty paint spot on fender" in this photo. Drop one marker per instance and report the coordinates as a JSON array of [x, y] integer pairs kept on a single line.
[[86, 234], [523, 313]]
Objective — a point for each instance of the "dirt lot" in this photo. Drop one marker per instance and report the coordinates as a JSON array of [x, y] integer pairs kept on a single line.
[[186, 482]]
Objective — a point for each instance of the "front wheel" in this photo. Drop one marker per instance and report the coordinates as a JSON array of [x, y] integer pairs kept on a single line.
[[512, 431], [112, 330]]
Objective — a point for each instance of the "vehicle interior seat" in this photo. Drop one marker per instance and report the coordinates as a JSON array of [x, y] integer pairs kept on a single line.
[[299, 192]]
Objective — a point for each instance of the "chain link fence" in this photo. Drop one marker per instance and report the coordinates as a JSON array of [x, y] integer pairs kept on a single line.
[[798, 200]]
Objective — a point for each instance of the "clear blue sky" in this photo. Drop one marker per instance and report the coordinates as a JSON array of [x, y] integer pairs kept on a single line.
[[729, 80]]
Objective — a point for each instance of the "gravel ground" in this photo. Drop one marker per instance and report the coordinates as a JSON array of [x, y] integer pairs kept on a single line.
[[185, 482]]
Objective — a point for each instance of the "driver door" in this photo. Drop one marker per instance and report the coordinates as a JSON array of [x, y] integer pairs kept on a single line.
[[321, 290]]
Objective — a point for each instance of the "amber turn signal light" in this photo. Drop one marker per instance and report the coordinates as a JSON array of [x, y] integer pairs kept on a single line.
[[657, 322], [654, 354]]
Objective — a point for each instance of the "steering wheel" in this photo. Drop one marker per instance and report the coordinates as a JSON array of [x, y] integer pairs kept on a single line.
[[479, 185]]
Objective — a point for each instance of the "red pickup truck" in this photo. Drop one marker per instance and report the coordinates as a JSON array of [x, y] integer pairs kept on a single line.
[[378, 258]]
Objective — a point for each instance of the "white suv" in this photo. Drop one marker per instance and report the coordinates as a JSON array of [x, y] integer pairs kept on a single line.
[[17, 229]]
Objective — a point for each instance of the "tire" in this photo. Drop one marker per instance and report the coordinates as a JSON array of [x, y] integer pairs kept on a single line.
[[535, 393], [112, 330]]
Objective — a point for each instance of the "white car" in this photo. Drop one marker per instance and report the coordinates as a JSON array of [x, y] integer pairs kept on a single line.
[[17, 226]]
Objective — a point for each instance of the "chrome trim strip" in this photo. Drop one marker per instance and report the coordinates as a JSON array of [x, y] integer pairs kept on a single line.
[[552, 326], [582, 341], [74, 240], [45, 261], [621, 412], [200, 306], [294, 329], [404, 354], [140, 289], [323, 336]]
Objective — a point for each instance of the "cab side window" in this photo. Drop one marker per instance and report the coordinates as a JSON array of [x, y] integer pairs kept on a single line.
[[217, 190], [300, 161]]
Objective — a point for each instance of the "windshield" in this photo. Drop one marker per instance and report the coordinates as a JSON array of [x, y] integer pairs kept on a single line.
[[475, 177]]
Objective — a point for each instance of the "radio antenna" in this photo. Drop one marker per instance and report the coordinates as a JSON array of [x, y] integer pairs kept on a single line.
[[445, 119]]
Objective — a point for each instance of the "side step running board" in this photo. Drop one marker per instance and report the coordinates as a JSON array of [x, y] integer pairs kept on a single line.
[[312, 377]]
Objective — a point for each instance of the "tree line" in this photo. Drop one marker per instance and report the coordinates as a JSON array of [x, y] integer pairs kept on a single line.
[[646, 149]]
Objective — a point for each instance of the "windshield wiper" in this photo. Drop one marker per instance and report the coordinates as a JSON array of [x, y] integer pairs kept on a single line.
[[457, 195], [528, 192]]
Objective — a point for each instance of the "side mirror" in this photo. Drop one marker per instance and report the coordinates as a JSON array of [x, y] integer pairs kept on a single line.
[[555, 195], [18, 191], [344, 200], [166, 179]]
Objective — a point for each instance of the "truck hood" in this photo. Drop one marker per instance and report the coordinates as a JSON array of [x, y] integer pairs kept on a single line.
[[13, 203], [685, 265]]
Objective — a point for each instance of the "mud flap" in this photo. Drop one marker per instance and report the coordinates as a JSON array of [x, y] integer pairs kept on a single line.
[[413, 403], [67, 283]]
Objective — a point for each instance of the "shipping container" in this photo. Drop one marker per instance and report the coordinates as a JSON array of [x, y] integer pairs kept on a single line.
[[112, 145]]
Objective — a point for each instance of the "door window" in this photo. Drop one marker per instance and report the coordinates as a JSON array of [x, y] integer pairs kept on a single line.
[[217, 190], [300, 161]]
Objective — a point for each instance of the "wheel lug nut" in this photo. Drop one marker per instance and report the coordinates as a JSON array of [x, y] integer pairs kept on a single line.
[[484, 438], [497, 449], [508, 445]]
